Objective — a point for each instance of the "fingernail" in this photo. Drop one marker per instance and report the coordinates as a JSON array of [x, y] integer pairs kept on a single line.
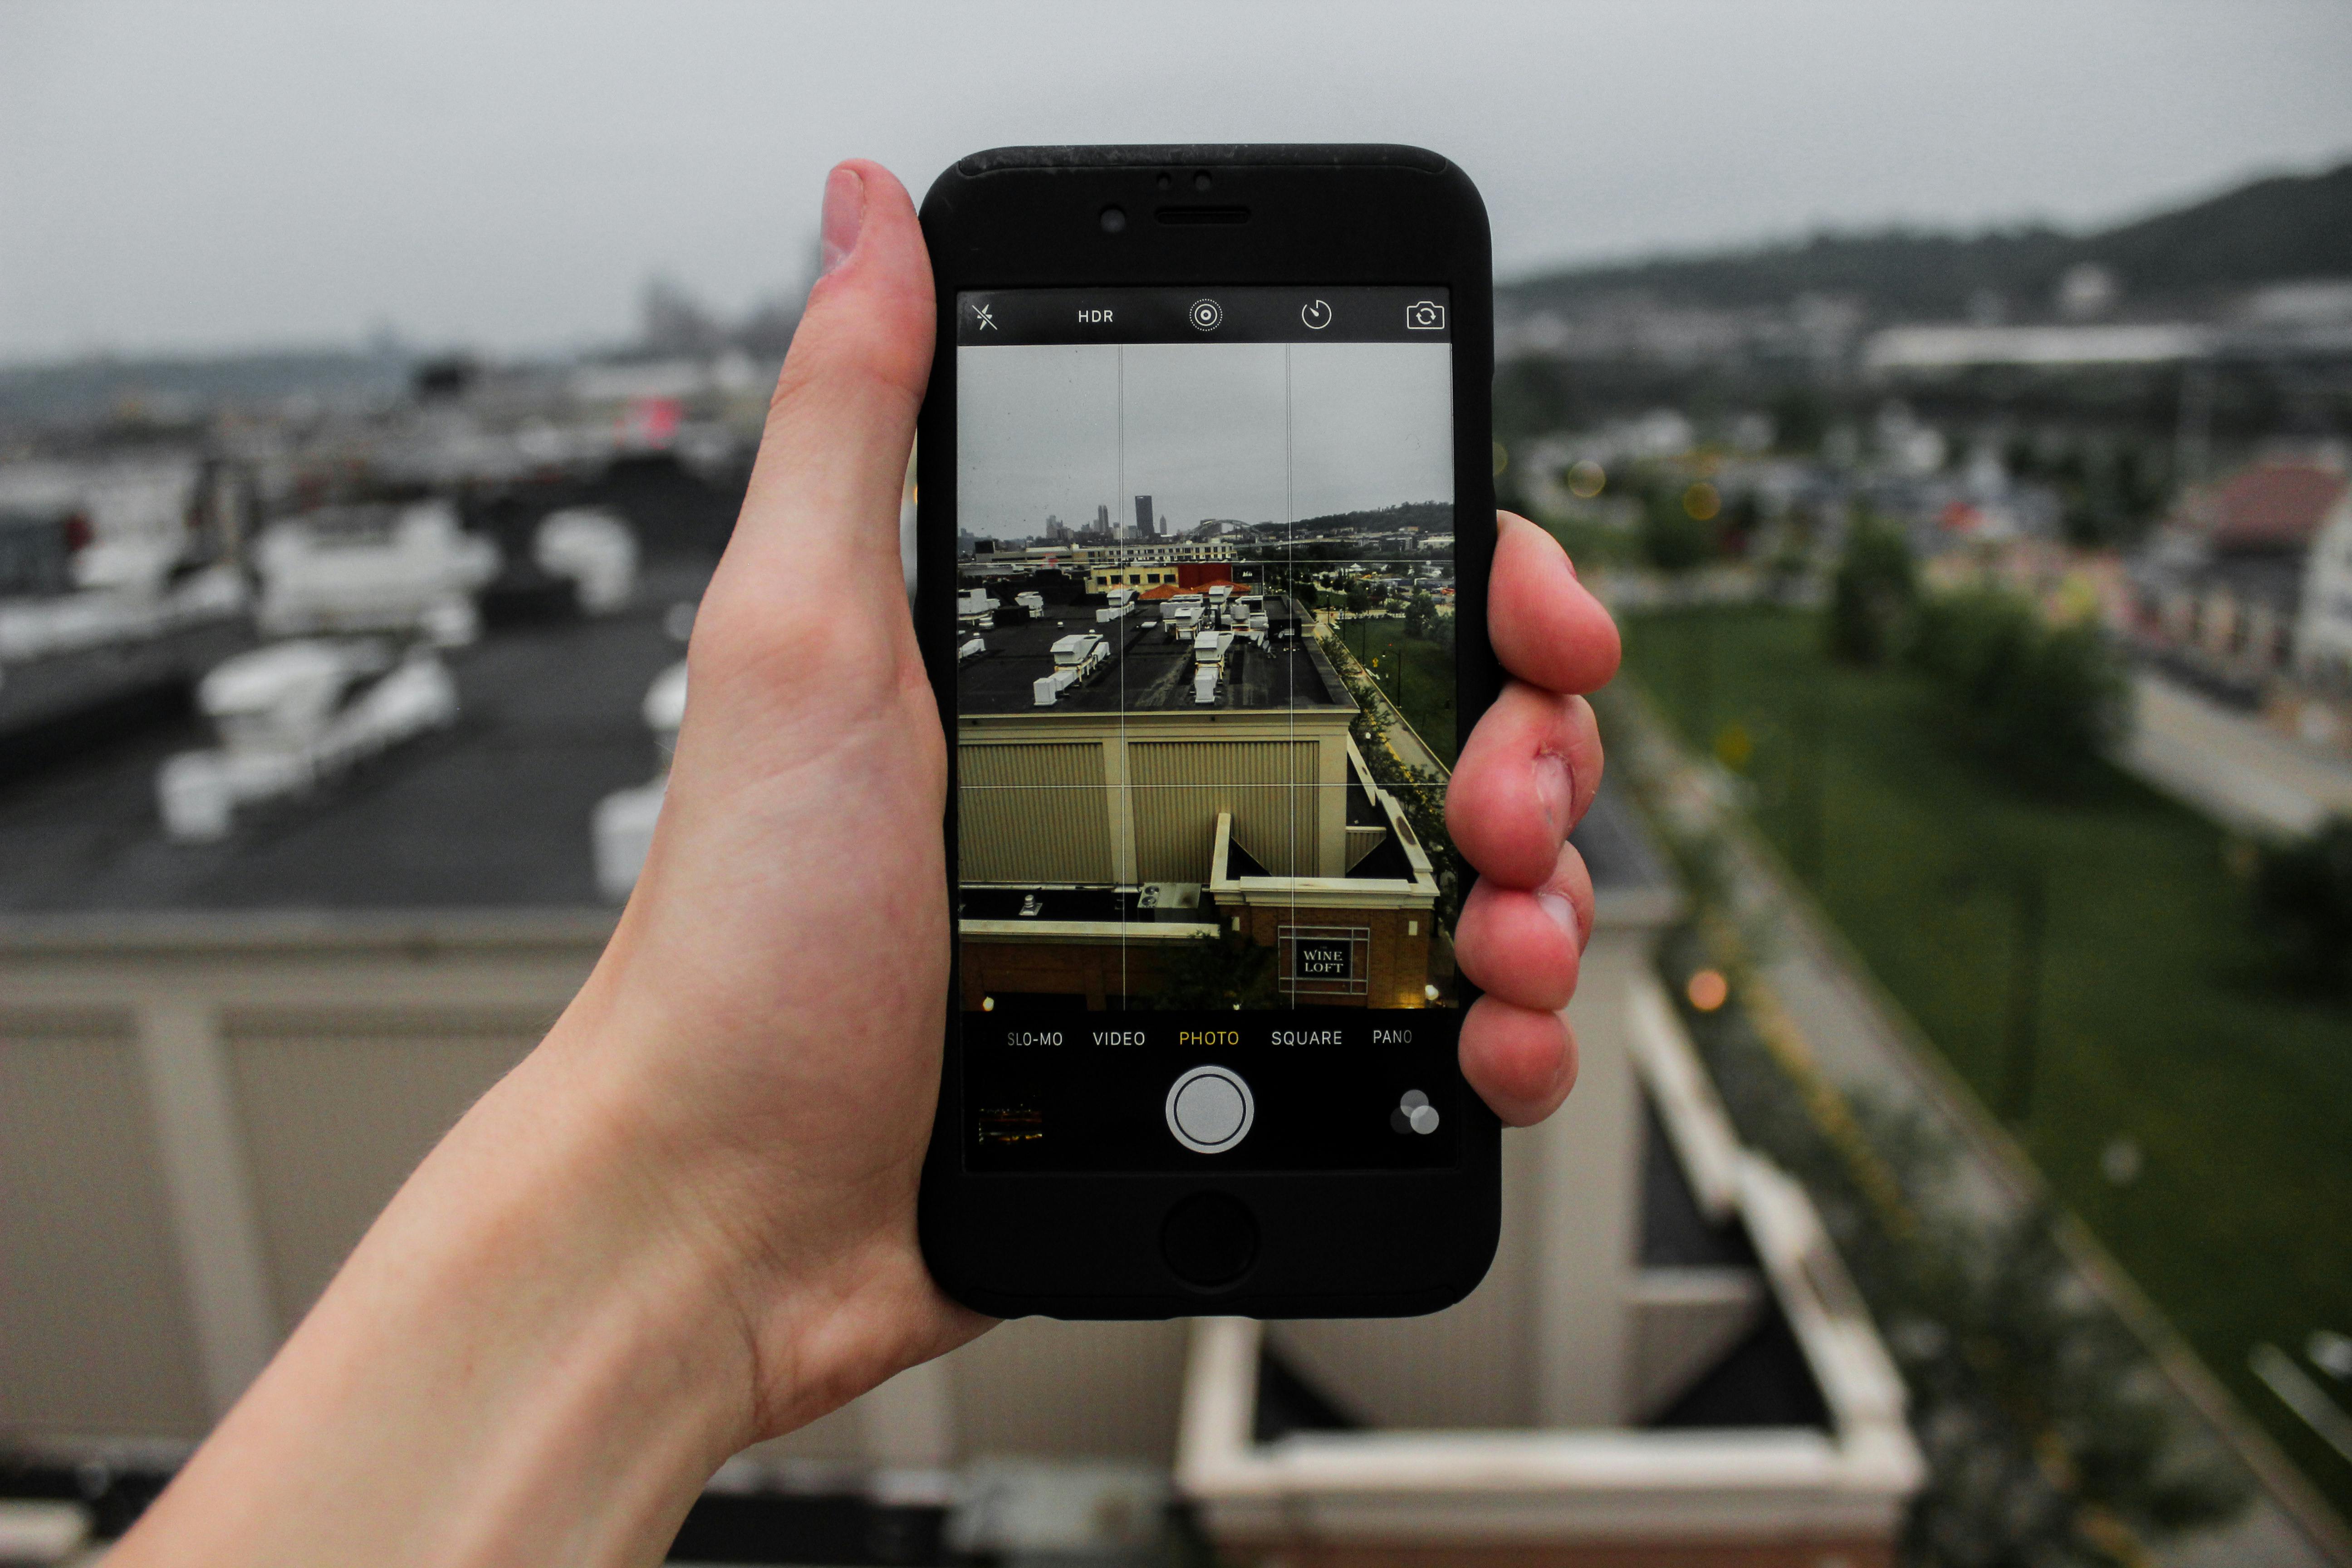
[[1556, 790], [1563, 915], [844, 214]]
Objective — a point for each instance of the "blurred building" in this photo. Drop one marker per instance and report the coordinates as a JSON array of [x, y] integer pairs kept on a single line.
[[1004, 556], [218, 1060], [2250, 579]]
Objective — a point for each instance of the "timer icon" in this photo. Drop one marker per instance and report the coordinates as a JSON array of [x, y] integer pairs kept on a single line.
[[1316, 314]]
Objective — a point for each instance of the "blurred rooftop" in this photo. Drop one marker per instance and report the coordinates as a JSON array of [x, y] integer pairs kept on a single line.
[[492, 813]]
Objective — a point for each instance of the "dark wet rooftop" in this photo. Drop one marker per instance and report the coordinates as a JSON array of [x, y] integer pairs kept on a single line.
[[491, 813]]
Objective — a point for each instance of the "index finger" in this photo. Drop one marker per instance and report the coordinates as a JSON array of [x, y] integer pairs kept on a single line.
[[1546, 627]]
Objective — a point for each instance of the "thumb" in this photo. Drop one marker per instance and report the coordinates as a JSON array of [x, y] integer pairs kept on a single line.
[[820, 520]]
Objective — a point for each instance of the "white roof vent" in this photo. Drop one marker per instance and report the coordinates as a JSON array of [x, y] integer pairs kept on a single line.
[[595, 551], [665, 705], [621, 829]]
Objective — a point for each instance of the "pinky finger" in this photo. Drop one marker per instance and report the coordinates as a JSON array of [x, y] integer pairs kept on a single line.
[[1521, 1061]]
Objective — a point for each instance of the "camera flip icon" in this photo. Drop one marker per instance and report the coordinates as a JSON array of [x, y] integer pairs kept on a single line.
[[1424, 316]]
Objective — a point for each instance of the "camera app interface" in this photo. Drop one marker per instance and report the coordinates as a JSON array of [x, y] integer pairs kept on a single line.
[[1204, 718]]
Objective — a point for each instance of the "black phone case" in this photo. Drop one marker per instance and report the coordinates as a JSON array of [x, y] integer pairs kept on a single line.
[[1330, 1244]]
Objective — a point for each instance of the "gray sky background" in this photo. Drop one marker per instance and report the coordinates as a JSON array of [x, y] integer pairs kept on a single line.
[[1039, 430], [180, 177]]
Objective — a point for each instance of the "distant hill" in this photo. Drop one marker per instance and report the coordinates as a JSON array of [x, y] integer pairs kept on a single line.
[[1429, 516], [168, 389], [2288, 226]]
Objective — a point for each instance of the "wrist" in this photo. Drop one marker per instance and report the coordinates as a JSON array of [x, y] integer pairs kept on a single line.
[[530, 1360]]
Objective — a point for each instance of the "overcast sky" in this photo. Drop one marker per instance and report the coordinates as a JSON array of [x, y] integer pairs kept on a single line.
[[1201, 428], [508, 175]]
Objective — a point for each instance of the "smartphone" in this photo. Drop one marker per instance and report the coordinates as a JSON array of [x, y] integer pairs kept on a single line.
[[1205, 512]]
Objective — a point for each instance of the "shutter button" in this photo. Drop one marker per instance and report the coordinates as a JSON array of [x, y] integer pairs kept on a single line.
[[1210, 1109]]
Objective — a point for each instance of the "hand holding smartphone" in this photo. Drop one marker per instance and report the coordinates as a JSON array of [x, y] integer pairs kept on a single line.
[[1205, 519]]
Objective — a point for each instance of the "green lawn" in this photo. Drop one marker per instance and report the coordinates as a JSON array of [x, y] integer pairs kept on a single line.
[[1416, 674], [2152, 1024]]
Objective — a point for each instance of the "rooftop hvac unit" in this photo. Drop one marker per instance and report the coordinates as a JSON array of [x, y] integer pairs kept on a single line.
[[292, 714], [971, 650], [594, 549], [1120, 597], [1116, 612], [1032, 601], [1077, 649], [1170, 900], [373, 569], [1205, 684]]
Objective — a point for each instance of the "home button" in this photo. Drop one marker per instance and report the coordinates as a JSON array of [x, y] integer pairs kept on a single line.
[[1209, 1240]]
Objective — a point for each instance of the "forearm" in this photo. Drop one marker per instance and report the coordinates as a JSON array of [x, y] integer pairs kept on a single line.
[[525, 1361]]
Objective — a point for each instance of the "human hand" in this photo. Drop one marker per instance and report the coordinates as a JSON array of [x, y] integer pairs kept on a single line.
[[1526, 777], [687, 1221], [793, 923]]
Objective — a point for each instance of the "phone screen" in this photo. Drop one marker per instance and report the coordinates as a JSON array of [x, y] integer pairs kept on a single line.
[[1205, 688]]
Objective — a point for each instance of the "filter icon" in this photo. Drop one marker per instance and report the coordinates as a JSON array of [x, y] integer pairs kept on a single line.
[[1414, 1115]]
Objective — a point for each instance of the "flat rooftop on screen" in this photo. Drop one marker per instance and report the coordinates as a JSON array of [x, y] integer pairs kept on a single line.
[[1146, 670]]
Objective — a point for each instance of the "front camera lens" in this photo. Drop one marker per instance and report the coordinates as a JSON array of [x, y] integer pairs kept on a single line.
[[1201, 181], [1113, 219]]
